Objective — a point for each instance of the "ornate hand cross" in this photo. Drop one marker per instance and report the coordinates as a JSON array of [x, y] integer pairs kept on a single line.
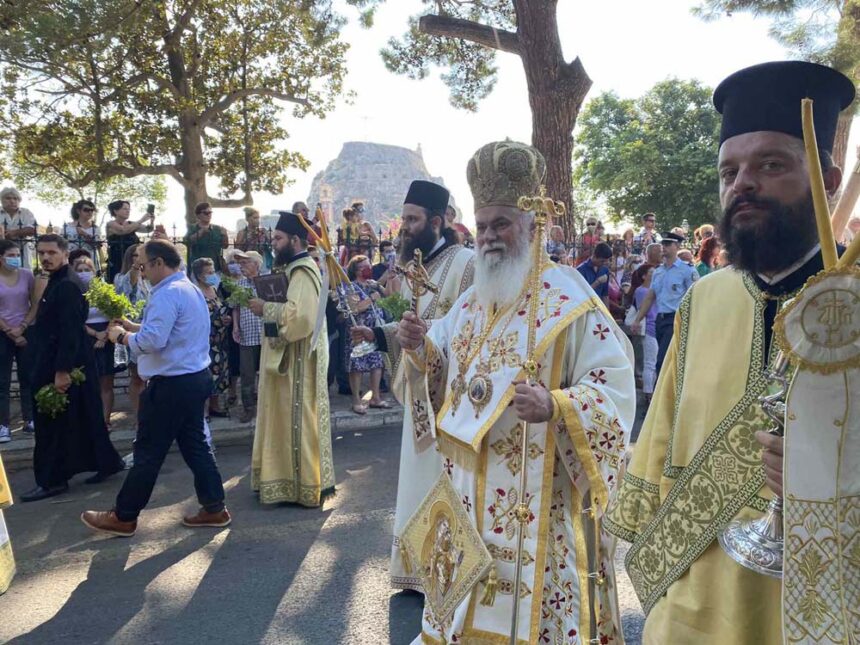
[[417, 278]]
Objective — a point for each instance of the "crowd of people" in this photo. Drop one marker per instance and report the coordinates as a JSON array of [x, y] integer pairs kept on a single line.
[[496, 342]]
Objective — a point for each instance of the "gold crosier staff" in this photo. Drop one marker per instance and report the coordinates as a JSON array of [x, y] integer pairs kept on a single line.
[[543, 208]]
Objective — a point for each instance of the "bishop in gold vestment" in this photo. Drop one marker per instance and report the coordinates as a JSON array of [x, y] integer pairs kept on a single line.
[[467, 401], [292, 455], [699, 462]]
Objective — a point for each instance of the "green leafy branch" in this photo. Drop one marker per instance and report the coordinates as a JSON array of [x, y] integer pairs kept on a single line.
[[238, 296], [51, 402], [394, 305], [113, 305]]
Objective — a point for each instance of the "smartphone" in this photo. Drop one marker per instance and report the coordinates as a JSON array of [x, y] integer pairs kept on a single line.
[[150, 208]]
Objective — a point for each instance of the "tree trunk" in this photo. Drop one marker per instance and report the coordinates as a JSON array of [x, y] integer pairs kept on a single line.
[[556, 92], [843, 131]]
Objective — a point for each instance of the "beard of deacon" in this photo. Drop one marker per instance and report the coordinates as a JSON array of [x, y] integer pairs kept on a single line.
[[770, 242], [284, 256], [425, 241], [499, 276]]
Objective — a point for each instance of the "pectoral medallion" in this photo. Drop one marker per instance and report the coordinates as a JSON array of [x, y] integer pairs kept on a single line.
[[480, 389]]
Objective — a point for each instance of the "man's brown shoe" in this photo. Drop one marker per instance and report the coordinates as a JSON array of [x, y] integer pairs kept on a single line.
[[108, 522], [205, 518]]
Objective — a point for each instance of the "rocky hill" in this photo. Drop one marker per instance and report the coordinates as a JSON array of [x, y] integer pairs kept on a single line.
[[376, 174]]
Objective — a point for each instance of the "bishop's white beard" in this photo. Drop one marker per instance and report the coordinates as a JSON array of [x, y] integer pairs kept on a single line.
[[500, 277]]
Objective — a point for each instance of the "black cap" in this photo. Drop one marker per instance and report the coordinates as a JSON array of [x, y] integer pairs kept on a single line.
[[428, 195], [672, 237], [289, 223], [767, 97]]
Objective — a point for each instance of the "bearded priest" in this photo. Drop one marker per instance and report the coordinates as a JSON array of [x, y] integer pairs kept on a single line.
[[450, 267], [703, 457], [468, 398]]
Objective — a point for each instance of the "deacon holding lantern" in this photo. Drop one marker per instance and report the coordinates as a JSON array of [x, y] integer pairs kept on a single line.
[[470, 399], [703, 459]]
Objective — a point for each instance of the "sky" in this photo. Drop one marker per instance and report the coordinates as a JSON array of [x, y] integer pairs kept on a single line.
[[625, 45]]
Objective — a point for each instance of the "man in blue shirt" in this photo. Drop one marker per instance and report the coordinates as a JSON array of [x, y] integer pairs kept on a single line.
[[671, 281], [595, 270], [171, 345]]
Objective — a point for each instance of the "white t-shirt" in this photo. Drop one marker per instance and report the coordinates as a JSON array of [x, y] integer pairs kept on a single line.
[[21, 219]]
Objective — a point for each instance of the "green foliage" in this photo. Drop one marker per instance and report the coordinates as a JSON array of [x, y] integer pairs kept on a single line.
[[95, 90], [113, 305], [239, 296], [51, 402], [655, 153], [821, 31], [394, 305], [471, 72]]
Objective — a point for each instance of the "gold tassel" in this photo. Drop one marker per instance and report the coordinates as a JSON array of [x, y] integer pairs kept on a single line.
[[404, 555], [490, 587], [460, 453]]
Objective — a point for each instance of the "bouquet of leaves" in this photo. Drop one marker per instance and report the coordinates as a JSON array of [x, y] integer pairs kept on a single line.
[[51, 402], [113, 305], [394, 305], [239, 296]]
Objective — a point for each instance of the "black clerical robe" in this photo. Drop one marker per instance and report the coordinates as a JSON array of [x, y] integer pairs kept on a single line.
[[76, 440]]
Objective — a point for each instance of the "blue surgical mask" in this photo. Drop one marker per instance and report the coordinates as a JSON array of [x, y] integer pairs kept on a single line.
[[13, 262], [234, 268], [86, 277], [213, 280]]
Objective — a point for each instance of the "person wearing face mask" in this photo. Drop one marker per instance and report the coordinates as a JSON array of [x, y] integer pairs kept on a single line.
[[96, 328], [366, 314], [17, 310], [233, 271], [76, 440], [208, 281]]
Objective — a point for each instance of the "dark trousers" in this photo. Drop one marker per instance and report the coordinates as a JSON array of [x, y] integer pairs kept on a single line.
[[638, 355], [665, 330], [9, 351], [249, 365], [171, 408]]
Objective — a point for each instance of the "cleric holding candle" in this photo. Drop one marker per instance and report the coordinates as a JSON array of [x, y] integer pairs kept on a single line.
[[702, 459]]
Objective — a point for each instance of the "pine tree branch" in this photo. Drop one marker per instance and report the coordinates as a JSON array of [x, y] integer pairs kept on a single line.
[[448, 27]]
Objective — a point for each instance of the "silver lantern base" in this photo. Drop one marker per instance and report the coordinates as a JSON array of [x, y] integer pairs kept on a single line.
[[363, 349], [757, 545]]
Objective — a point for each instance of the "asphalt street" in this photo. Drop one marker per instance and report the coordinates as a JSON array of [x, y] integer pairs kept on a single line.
[[277, 575]]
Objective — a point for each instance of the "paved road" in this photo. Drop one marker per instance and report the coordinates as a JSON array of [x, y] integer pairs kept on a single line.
[[278, 575]]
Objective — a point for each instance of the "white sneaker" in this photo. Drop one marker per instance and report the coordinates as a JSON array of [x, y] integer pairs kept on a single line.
[[29, 427], [5, 434]]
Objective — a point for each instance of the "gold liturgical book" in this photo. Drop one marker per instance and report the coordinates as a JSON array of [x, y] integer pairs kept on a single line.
[[441, 541]]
